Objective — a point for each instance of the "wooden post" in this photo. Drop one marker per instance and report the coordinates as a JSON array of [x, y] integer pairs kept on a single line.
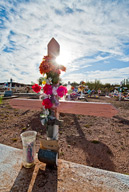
[[54, 51], [11, 84]]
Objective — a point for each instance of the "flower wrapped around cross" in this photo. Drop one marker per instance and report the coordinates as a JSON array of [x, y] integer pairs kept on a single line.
[[51, 91]]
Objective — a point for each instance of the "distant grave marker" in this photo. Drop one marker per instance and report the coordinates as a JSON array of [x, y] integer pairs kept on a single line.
[[8, 93]]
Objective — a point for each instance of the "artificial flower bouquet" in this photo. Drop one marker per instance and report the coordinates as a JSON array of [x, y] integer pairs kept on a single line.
[[81, 86], [51, 90]]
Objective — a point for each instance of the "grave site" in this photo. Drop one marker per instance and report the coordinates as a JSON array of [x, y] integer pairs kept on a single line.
[[85, 149]]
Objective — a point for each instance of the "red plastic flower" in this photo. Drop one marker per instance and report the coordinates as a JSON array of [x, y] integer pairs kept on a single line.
[[36, 88], [47, 103], [61, 91], [46, 65], [47, 89], [58, 71], [63, 68]]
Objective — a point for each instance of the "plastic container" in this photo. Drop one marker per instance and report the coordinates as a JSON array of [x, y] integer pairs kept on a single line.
[[52, 132], [29, 153]]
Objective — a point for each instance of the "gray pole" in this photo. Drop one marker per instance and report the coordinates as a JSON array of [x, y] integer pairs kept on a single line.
[[11, 84]]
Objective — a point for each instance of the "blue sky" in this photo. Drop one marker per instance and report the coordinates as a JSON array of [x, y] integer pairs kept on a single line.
[[93, 37]]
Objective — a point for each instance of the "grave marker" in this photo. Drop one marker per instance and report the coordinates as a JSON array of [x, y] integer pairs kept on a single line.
[[8, 93]]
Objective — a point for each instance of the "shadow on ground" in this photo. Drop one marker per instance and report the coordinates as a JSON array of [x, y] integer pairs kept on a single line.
[[122, 120], [23, 180], [97, 154], [35, 124], [36, 179], [46, 180]]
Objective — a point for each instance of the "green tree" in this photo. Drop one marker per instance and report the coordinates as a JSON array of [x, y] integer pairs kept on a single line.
[[74, 84]]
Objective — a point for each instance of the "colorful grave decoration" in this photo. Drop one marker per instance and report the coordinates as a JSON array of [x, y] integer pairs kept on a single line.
[[99, 92], [73, 94], [120, 90], [69, 90], [50, 93], [81, 88]]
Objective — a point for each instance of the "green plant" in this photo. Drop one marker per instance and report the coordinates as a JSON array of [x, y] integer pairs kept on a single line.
[[126, 173], [14, 139], [24, 128], [61, 153], [87, 125], [1, 98], [123, 148], [61, 132], [118, 131]]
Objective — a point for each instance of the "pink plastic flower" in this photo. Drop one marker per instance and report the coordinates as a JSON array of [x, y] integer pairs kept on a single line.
[[61, 91], [36, 88], [47, 89], [47, 103]]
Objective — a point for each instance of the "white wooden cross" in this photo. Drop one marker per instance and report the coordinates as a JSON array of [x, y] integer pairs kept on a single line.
[[73, 107]]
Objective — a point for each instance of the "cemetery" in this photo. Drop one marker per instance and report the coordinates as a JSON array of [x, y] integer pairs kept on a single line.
[[81, 145]]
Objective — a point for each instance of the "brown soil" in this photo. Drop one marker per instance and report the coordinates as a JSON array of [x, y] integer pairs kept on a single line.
[[94, 141]]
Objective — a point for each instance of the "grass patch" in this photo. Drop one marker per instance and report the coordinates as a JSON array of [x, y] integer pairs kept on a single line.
[[118, 131], [126, 173], [14, 139], [61, 132], [61, 153], [123, 148], [1, 98], [87, 126], [24, 128]]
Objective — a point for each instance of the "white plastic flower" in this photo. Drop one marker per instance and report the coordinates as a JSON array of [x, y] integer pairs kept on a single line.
[[49, 81], [54, 90], [43, 96]]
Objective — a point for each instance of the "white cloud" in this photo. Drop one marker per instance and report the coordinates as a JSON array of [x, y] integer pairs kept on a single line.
[[92, 27], [112, 76], [125, 58]]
